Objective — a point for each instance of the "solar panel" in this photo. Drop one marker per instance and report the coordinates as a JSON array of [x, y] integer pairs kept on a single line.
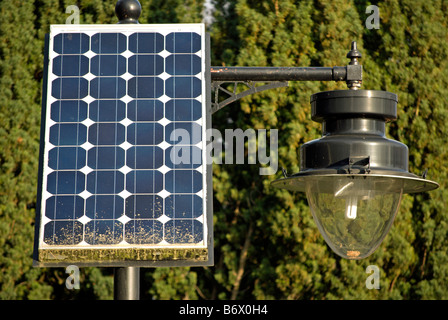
[[123, 178]]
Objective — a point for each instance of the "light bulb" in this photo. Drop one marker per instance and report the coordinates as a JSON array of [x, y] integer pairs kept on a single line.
[[351, 206], [351, 202], [353, 214]]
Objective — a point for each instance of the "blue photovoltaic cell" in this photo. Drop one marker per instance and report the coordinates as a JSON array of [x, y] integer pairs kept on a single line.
[[183, 42], [105, 182], [145, 110], [69, 111], [68, 134], [144, 181], [64, 158], [145, 133], [144, 207], [70, 66], [108, 43], [183, 64], [104, 207], [107, 110], [65, 207], [138, 87], [70, 88], [106, 134], [183, 181], [55, 232], [183, 110], [144, 157], [66, 182], [106, 157], [145, 65], [183, 87], [183, 157], [123, 156], [108, 88], [144, 232], [108, 65], [71, 43], [183, 231], [103, 232], [183, 133], [183, 206], [146, 42]]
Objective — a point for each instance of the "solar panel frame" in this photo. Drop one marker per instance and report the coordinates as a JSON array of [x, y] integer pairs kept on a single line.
[[119, 254]]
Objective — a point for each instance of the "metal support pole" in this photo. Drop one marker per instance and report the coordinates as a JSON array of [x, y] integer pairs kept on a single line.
[[127, 283], [127, 279]]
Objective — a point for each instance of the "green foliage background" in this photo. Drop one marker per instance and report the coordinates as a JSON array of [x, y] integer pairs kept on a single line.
[[266, 244]]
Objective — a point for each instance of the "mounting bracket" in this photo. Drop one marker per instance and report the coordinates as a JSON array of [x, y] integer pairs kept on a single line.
[[234, 96], [277, 77]]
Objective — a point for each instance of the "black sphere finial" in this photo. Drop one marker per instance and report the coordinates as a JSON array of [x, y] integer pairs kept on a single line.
[[128, 11]]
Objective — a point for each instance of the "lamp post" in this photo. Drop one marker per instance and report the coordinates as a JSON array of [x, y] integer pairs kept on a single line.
[[127, 279]]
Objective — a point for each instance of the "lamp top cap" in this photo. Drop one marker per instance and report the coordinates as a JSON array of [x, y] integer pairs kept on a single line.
[[353, 104], [128, 11]]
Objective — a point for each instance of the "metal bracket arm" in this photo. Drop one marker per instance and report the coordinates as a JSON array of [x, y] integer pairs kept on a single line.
[[276, 77]]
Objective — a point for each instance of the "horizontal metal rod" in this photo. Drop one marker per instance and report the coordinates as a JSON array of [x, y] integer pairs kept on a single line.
[[278, 73]]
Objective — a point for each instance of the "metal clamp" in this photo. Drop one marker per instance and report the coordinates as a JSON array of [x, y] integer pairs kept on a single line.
[[359, 163], [354, 69]]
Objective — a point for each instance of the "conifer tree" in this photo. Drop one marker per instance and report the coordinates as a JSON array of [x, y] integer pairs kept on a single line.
[[20, 117], [407, 55]]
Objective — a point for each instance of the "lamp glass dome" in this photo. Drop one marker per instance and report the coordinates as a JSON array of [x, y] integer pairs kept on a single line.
[[353, 214]]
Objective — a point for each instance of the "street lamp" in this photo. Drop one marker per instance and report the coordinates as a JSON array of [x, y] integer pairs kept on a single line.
[[354, 177]]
